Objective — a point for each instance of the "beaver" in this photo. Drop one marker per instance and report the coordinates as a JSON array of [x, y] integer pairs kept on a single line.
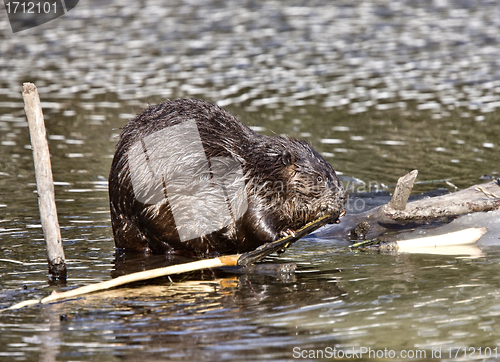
[[188, 177]]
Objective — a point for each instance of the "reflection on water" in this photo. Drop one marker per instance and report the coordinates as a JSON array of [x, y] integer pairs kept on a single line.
[[365, 300], [379, 88]]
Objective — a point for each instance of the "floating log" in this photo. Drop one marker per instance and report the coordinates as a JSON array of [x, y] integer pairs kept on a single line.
[[398, 214]]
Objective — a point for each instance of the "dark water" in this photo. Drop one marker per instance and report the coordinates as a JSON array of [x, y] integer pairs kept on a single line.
[[379, 88]]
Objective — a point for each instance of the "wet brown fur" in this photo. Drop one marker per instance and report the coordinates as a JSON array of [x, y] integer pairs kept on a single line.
[[288, 184]]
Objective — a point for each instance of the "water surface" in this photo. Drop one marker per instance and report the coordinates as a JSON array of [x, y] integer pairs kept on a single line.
[[379, 88]]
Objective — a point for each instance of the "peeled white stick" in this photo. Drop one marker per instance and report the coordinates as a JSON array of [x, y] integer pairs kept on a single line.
[[228, 260], [44, 183], [461, 237], [469, 251]]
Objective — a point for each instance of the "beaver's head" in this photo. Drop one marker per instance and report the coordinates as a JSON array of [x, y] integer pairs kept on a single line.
[[315, 189], [299, 184]]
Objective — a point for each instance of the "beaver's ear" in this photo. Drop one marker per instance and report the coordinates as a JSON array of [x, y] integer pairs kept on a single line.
[[287, 158]]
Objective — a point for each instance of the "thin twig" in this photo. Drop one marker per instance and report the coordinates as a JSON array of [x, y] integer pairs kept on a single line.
[[486, 192]]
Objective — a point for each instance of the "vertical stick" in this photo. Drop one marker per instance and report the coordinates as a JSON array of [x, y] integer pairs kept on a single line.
[[402, 191], [44, 183]]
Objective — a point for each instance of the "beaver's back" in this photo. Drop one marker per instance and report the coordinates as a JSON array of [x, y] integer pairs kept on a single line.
[[219, 130]]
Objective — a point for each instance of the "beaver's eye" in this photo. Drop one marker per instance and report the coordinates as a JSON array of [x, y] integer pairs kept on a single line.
[[319, 179]]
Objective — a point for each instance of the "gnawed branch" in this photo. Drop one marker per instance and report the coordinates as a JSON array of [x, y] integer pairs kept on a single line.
[[398, 214]]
